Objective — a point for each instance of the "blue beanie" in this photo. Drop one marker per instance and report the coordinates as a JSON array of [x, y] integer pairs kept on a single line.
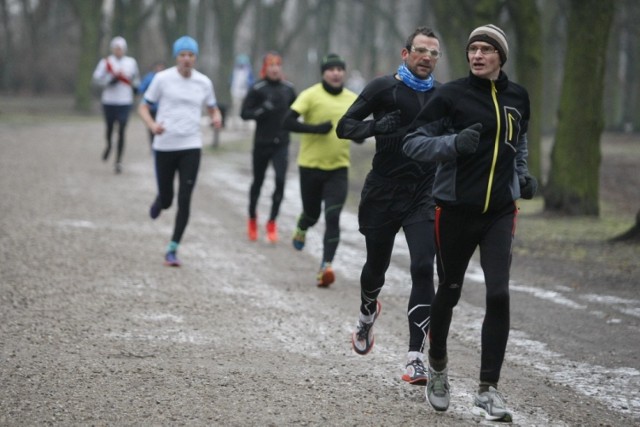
[[185, 43]]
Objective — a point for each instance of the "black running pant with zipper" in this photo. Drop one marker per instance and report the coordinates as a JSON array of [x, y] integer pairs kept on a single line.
[[458, 233]]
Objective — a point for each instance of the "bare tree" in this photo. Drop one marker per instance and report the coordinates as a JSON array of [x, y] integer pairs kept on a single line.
[[6, 55], [174, 16], [527, 26], [129, 19], [631, 49], [573, 187], [632, 235], [34, 14], [454, 28], [227, 16], [89, 15]]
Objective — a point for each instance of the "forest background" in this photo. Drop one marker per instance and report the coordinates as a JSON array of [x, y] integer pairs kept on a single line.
[[579, 59]]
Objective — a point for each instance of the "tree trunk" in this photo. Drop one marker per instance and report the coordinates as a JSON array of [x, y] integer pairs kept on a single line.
[[632, 235], [227, 15], [631, 102], [575, 159], [175, 18], [528, 61], [6, 58], [89, 14]]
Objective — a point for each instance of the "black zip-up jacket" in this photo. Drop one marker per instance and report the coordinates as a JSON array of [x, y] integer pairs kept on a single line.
[[486, 180], [267, 103], [382, 96]]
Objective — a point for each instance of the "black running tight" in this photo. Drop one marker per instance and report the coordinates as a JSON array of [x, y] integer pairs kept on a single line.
[[318, 186], [458, 233], [186, 164], [113, 114], [278, 154], [380, 244]]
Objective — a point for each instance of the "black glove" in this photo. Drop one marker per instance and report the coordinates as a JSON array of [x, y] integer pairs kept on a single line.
[[468, 139], [388, 123], [323, 127], [113, 81], [265, 107], [268, 105], [528, 186]]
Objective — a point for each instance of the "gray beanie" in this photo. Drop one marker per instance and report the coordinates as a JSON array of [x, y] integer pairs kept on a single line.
[[494, 36]]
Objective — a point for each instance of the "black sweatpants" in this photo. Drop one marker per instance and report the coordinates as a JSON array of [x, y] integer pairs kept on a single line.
[[329, 187], [458, 234], [278, 155], [186, 163]]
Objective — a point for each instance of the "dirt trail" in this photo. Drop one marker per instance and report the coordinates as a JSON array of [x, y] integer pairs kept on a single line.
[[94, 330]]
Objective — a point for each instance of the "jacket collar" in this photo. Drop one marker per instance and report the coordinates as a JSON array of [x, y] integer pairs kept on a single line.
[[501, 83]]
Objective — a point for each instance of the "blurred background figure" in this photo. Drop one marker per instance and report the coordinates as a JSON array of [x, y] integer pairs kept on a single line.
[[356, 82], [267, 103], [144, 85], [241, 80], [119, 78]]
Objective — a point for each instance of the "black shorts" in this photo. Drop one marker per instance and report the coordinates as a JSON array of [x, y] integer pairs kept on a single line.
[[387, 204]]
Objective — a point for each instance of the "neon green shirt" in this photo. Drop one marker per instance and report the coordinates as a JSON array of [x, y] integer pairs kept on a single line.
[[323, 151]]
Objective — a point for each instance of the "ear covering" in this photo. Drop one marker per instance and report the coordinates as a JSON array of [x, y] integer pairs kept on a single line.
[[332, 60], [185, 43], [119, 42], [494, 36]]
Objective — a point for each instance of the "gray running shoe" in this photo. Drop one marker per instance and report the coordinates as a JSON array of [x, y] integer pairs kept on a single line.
[[437, 389], [415, 373], [362, 339], [491, 406]]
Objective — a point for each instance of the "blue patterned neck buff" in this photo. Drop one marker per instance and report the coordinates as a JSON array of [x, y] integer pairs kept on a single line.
[[412, 81]]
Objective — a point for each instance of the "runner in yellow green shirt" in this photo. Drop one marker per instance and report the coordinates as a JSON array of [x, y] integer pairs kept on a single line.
[[323, 158]]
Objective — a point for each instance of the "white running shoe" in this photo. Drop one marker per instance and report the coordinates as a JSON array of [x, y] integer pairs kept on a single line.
[[491, 406]]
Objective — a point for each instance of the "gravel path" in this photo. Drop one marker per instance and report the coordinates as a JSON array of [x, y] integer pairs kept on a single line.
[[94, 330]]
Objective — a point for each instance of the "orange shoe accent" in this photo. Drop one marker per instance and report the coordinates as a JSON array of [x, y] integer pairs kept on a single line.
[[272, 231], [326, 276], [252, 229]]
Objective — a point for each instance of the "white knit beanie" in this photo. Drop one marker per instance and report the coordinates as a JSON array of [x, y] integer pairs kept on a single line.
[[119, 42]]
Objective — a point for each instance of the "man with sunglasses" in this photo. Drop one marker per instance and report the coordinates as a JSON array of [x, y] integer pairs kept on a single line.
[[477, 132], [396, 193]]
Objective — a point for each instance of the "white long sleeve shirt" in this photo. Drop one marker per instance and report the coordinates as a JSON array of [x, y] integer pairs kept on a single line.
[[120, 93]]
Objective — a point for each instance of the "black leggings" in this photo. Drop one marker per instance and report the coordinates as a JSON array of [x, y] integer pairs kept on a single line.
[[318, 186], [113, 114], [458, 233], [186, 163], [380, 242], [278, 154]]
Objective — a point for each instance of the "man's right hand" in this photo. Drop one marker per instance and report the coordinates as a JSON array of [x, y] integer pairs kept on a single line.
[[388, 123], [268, 105], [468, 139]]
